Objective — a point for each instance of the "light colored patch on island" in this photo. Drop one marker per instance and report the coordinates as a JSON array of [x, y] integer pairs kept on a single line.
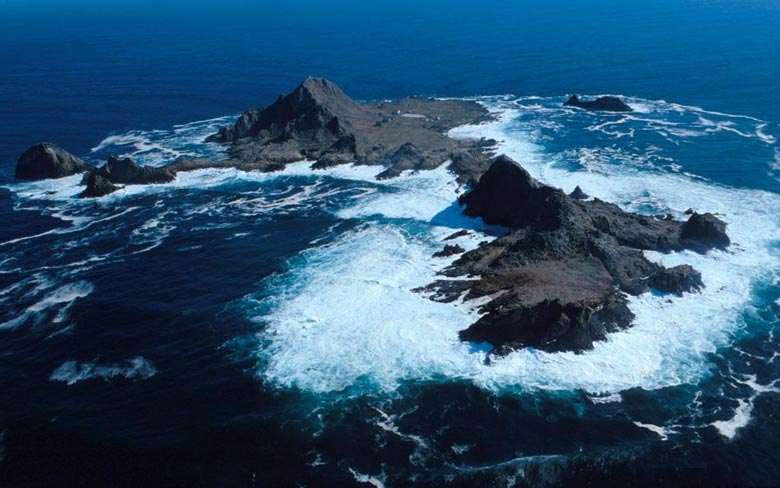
[[414, 116]]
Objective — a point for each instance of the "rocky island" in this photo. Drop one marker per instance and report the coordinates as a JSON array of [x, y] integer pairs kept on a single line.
[[558, 280], [607, 104]]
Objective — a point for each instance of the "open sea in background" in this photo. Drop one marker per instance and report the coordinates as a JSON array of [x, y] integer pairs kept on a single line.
[[239, 329]]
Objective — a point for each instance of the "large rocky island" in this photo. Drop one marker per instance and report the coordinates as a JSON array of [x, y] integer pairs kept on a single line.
[[558, 280]]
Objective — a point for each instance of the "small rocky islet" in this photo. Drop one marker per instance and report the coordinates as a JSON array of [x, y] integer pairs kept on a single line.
[[558, 280]]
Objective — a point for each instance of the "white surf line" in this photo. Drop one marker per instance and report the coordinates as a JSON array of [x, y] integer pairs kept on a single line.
[[662, 432], [742, 417]]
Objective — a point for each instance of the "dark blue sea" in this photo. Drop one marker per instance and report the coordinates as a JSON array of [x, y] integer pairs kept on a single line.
[[251, 330]]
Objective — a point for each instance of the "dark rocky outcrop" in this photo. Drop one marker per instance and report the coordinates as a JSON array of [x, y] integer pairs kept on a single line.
[[608, 104], [558, 279], [318, 122], [128, 172], [704, 231], [449, 250], [455, 235], [578, 194], [46, 160], [507, 195], [676, 280], [102, 181], [185, 164], [97, 186]]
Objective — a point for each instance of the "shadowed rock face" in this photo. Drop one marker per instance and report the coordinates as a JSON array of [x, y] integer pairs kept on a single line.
[[507, 195], [578, 194], [318, 122], [97, 186], [309, 111], [103, 180], [558, 280], [46, 160], [704, 231], [608, 104]]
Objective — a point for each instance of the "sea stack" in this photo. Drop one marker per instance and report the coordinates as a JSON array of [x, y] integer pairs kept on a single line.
[[607, 104], [47, 160]]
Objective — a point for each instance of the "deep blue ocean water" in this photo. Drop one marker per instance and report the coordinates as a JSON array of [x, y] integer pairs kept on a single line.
[[235, 329]]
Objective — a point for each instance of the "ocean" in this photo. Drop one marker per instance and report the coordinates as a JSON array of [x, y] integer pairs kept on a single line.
[[253, 329]]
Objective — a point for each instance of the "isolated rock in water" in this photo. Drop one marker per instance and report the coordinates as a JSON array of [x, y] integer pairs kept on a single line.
[[46, 160], [578, 194], [449, 250], [704, 231], [97, 186], [676, 280], [455, 235], [609, 104]]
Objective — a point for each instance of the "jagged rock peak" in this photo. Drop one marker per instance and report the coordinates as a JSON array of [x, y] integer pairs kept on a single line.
[[321, 92], [315, 104], [578, 194]]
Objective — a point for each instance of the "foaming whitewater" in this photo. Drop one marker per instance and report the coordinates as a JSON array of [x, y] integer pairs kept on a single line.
[[51, 303], [156, 147], [72, 372], [344, 316]]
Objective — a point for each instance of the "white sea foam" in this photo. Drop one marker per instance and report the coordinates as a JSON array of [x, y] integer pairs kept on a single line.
[[61, 299], [346, 315], [72, 372], [663, 432], [376, 481], [742, 415]]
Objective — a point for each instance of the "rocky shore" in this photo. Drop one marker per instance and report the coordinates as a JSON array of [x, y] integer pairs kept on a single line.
[[557, 281]]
